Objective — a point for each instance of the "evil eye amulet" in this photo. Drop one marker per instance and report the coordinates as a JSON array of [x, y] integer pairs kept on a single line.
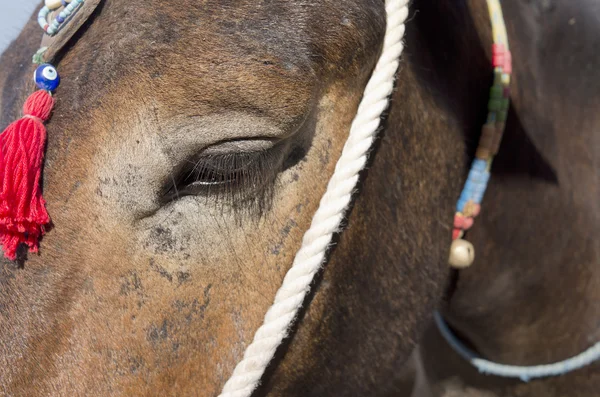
[[46, 77]]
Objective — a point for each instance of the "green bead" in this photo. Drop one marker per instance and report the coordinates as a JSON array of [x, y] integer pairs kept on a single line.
[[496, 92], [498, 76], [494, 105]]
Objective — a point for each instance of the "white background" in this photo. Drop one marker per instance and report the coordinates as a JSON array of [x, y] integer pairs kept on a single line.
[[13, 16]]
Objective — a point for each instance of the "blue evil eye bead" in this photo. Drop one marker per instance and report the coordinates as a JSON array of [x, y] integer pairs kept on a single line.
[[46, 77]]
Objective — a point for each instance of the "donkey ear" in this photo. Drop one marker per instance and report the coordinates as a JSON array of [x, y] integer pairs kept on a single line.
[[54, 44]]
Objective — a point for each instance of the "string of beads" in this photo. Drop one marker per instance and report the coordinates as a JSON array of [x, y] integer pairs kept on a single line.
[[70, 7], [462, 253]]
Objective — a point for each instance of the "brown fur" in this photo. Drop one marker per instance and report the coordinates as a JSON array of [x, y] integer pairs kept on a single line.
[[134, 296], [533, 294]]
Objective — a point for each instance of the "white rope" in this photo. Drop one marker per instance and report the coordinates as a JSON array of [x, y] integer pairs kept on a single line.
[[328, 217]]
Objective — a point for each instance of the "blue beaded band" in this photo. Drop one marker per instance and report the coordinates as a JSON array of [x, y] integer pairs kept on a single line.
[[476, 184], [52, 28]]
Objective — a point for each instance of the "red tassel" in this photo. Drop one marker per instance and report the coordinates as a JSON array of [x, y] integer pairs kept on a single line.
[[23, 212]]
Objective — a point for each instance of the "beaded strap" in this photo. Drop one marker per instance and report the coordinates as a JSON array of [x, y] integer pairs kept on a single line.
[[469, 203], [70, 8]]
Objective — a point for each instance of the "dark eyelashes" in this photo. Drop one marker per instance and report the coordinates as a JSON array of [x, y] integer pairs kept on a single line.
[[234, 178]]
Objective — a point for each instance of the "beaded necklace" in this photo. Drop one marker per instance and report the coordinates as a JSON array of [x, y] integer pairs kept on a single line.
[[468, 207], [70, 7]]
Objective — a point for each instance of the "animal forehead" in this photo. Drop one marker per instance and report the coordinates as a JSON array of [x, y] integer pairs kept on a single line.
[[219, 48], [283, 27]]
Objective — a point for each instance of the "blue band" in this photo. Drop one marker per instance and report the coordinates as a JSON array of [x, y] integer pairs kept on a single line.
[[525, 373]]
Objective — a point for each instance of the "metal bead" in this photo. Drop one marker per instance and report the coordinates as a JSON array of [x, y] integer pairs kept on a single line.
[[462, 254], [46, 77]]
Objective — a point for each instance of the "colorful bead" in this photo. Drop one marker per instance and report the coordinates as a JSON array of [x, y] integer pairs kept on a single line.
[[496, 92], [507, 66], [502, 115], [494, 105], [46, 77], [457, 233], [462, 222], [43, 18], [70, 7], [498, 54], [469, 202], [498, 73], [472, 209], [488, 133], [462, 254], [53, 4], [476, 184]]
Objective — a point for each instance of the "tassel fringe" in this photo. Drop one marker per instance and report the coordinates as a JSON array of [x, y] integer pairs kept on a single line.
[[23, 214]]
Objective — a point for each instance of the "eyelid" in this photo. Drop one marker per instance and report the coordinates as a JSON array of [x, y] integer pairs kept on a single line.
[[240, 146], [250, 171], [237, 160]]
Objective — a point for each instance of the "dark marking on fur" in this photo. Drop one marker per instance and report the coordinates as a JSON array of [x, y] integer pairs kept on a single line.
[[161, 271]]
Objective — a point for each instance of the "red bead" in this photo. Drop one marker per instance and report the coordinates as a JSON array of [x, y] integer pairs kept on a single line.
[[459, 221], [507, 67], [456, 234], [463, 222], [498, 55], [468, 223]]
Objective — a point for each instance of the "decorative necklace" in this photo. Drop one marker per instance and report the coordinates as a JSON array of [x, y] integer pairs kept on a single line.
[[23, 215], [468, 207], [469, 204]]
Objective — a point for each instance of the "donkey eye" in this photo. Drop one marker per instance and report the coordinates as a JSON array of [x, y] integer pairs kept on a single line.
[[234, 175], [209, 175]]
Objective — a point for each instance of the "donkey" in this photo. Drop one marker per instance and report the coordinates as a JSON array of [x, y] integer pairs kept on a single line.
[[189, 147]]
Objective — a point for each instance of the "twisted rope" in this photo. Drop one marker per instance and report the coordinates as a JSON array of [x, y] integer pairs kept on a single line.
[[328, 217]]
